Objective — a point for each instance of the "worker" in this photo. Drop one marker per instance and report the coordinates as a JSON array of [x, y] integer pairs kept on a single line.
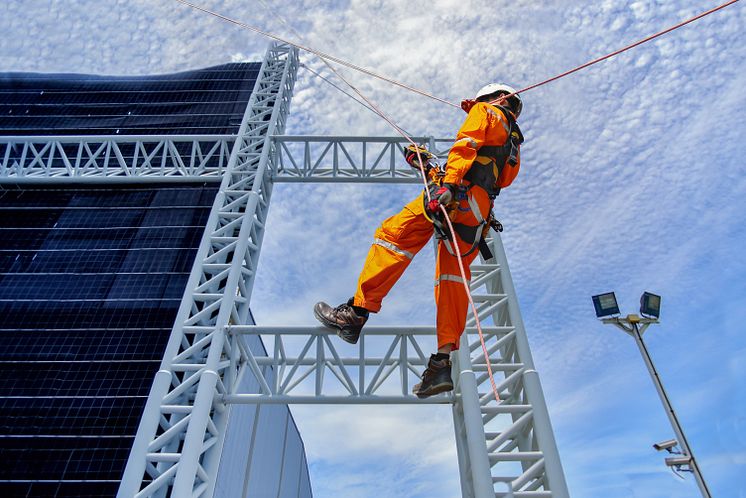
[[484, 158]]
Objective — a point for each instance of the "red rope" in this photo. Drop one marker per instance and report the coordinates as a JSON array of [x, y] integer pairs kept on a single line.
[[628, 47], [325, 56], [319, 53], [420, 92]]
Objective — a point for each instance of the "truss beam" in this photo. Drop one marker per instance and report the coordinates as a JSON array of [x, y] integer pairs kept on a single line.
[[349, 159], [320, 369], [106, 159], [173, 158], [177, 447]]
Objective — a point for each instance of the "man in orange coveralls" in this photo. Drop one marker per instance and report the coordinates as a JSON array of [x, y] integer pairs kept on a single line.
[[484, 159]]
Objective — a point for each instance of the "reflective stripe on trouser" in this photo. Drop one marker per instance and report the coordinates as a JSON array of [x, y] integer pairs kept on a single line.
[[402, 236]]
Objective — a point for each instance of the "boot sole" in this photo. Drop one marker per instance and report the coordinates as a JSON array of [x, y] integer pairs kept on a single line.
[[339, 330], [437, 389]]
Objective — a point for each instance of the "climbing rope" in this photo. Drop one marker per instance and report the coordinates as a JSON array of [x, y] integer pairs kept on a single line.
[[628, 47], [341, 90], [327, 57], [319, 53], [363, 70]]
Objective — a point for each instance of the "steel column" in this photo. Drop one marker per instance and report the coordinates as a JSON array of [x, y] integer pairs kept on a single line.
[[534, 393], [481, 476], [196, 362]]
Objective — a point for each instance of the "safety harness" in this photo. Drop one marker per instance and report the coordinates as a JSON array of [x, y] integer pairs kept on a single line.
[[491, 160], [484, 172]]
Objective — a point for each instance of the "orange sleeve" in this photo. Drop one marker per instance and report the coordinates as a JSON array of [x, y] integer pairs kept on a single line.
[[469, 139]]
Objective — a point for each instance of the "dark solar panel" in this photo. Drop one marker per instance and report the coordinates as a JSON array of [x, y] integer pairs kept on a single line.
[[206, 101], [95, 489], [91, 279]]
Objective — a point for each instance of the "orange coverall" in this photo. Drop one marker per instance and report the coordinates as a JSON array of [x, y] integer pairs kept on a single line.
[[401, 236]]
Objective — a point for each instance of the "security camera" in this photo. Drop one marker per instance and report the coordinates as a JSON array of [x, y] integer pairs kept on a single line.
[[678, 460], [666, 445]]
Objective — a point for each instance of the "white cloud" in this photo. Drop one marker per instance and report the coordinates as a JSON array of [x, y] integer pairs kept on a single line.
[[387, 450], [633, 179]]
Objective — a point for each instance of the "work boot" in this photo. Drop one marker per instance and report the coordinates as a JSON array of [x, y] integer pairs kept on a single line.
[[435, 379], [346, 318]]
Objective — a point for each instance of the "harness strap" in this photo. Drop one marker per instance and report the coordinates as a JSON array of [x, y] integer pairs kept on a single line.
[[468, 232]]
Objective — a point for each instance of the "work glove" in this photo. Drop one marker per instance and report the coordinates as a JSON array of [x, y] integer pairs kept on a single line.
[[410, 155], [440, 196], [467, 104]]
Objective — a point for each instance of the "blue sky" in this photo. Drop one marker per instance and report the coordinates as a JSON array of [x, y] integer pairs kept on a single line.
[[633, 179]]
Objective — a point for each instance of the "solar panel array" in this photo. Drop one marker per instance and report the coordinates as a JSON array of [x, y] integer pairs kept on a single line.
[[201, 102], [91, 279]]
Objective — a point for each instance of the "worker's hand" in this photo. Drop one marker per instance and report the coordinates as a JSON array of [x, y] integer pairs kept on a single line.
[[413, 161], [413, 158], [442, 196]]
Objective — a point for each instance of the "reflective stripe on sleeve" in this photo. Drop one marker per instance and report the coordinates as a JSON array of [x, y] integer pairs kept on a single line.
[[502, 121], [450, 278], [392, 247], [470, 142]]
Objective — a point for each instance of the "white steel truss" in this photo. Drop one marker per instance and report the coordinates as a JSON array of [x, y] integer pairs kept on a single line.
[[178, 444], [505, 447], [40, 159], [349, 159]]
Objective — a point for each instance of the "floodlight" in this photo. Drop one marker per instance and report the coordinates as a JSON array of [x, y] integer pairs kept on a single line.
[[650, 305], [605, 304], [633, 325]]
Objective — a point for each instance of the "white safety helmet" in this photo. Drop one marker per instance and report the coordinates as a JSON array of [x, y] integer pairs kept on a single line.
[[516, 104]]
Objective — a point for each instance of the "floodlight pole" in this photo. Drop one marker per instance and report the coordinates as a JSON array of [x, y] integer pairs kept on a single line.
[[635, 326]]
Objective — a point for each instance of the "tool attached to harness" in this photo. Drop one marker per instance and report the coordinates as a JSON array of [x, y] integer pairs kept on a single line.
[[436, 218], [493, 223], [476, 234]]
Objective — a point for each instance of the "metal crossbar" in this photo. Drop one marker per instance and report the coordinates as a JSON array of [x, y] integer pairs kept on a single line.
[[107, 159], [349, 159], [41, 159], [381, 368]]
